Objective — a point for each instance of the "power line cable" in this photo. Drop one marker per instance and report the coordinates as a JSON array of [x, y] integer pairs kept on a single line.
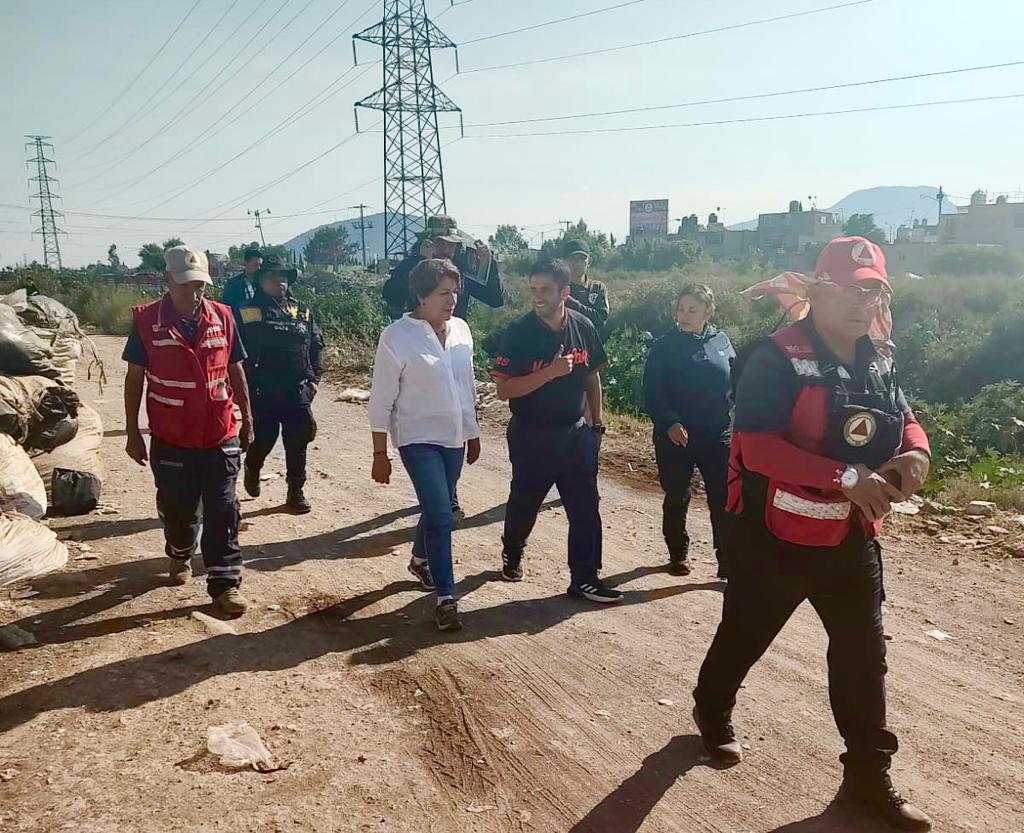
[[146, 105], [552, 22], [752, 96], [173, 119], [241, 199], [206, 136], [752, 119], [716, 30], [109, 166], [297, 115], [120, 97]]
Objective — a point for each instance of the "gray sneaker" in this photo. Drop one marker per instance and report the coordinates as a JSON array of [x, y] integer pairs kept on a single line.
[[447, 615]]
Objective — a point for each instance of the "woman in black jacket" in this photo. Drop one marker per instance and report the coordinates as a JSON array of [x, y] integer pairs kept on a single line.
[[688, 395]]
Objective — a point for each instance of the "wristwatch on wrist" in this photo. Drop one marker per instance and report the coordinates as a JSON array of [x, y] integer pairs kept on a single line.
[[850, 478], [599, 428]]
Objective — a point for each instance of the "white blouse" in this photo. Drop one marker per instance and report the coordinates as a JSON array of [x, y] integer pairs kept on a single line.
[[423, 391]]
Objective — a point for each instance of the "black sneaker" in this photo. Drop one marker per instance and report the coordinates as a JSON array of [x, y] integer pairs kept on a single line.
[[511, 567], [679, 566], [422, 574], [447, 616], [252, 482], [297, 502], [595, 591], [719, 739], [878, 796]]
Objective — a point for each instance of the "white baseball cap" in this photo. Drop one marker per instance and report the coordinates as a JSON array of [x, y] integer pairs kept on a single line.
[[186, 265]]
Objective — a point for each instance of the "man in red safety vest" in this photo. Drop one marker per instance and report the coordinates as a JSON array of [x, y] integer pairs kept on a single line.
[[186, 349], [824, 442]]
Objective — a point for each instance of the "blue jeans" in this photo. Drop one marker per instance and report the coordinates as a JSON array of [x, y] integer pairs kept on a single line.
[[434, 471]]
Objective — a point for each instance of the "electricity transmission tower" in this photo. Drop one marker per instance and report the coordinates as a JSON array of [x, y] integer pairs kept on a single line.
[[46, 213], [363, 225], [410, 101]]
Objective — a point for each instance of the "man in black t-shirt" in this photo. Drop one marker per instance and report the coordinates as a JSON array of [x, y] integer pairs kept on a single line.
[[548, 369]]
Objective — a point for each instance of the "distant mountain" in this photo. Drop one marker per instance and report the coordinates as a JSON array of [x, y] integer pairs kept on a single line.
[[892, 205], [374, 235]]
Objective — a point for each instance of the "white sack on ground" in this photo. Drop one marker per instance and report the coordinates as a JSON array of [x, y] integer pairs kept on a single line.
[[28, 549], [21, 488]]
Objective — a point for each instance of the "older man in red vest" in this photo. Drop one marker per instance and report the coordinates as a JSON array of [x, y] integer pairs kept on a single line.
[[186, 349]]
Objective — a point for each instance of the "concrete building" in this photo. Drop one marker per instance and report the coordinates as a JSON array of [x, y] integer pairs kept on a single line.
[[796, 229], [716, 240], [999, 223]]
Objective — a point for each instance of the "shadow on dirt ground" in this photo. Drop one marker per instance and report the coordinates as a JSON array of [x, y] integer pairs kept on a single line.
[[131, 682]]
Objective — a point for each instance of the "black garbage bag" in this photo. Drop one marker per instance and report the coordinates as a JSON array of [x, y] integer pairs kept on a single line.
[[22, 353], [55, 420], [73, 492]]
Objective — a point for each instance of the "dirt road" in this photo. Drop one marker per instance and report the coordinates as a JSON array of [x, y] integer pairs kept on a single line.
[[542, 715]]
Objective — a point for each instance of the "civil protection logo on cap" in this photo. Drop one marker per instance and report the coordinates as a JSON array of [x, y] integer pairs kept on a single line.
[[860, 429], [864, 254]]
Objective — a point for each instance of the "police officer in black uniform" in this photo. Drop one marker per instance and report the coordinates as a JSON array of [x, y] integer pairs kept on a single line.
[[284, 367]]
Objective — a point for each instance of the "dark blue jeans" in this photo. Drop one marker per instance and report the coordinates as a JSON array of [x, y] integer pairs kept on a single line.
[[565, 457], [195, 490], [434, 471]]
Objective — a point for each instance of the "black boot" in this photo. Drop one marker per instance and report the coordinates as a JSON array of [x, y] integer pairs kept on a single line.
[[719, 738], [297, 500], [679, 563], [252, 481], [877, 795]]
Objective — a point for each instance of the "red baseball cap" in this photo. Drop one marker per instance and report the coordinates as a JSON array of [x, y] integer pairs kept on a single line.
[[847, 260]]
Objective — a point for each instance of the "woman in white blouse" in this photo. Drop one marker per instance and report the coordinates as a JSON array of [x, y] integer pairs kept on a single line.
[[423, 395]]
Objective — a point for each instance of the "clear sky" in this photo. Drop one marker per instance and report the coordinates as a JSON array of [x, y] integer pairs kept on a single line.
[[68, 65]]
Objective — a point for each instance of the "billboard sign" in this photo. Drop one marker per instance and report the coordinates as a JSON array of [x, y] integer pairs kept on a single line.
[[648, 218]]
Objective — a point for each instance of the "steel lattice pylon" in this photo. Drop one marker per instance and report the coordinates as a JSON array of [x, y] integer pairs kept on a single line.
[[410, 101], [46, 213]]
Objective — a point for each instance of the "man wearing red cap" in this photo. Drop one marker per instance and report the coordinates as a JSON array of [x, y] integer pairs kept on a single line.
[[824, 441]]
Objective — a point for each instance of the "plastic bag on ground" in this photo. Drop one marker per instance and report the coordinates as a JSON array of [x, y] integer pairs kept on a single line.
[[22, 353], [55, 421], [21, 488], [81, 455], [73, 492], [238, 745], [39, 407], [27, 549]]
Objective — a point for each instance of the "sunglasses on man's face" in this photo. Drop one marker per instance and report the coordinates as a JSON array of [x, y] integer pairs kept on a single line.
[[867, 296]]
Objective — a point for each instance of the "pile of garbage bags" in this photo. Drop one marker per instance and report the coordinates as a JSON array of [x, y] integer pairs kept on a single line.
[[49, 441]]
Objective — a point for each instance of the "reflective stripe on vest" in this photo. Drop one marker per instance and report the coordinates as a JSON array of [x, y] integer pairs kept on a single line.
[[796, 505], [188, 400]]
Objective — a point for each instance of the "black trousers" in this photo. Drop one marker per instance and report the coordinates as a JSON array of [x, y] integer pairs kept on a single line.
[[768, 580], [675, 471], [195, 496], [273, 417], [564, 457]]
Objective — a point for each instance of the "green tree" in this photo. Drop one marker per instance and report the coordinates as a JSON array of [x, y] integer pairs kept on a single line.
[[329, 246], [507, 240], [236, 254], [152, 254], [114, 258], [863, 225], [599, 242]]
